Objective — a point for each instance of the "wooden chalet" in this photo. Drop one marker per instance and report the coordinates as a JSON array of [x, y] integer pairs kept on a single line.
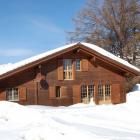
[[71, 74]]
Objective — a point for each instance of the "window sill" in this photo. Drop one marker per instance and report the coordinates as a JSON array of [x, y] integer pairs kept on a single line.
[[13, 100], [68, 79], [59, 98]]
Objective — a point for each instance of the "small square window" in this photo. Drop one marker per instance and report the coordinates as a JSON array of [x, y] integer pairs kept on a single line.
[[78, 65]]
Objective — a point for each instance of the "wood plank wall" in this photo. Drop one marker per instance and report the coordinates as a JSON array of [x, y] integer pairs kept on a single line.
[[52, 73]]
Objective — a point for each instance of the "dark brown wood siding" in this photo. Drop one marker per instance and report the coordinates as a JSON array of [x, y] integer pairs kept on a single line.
[[84, 64], [23, 93], [43, 92], [60, 69], [76, 94]]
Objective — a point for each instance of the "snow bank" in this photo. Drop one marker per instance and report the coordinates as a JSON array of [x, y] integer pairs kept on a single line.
[[133, 99], [14, 112], [136, 87], [134, 96]]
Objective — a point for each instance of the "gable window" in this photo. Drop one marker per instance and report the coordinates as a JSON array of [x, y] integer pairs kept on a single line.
[[67, 64], [12, 94], [58, 91], [78, 65]]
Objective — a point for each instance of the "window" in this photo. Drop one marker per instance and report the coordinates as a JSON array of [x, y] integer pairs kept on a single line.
[[100, 92], [58, 91], [67, 69], [83, 91], [78, 64], [104, 92], [107, 91], [12, 94], [87, 92], [91, 90]]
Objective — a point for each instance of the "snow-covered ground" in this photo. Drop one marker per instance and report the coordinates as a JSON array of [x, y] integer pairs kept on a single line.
[[80, 121]]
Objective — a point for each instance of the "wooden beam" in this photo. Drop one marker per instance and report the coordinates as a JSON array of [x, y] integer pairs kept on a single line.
[[93, 61]]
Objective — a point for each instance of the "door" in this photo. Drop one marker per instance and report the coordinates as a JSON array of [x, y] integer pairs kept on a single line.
[[104, 94], [87, 93]]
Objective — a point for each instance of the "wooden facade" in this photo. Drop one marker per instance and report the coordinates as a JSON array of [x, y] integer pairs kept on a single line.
[[42, 82]]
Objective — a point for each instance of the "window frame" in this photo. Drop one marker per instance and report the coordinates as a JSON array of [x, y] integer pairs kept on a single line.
[[101, 91], [58, 88], [108, 91], [68, 69], [91, 90], [83, 91], [104, 92], [79, 65], [12, 92], [87, 91]]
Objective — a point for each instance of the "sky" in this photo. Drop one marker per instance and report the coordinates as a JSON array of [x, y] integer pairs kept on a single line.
[[30, 27]]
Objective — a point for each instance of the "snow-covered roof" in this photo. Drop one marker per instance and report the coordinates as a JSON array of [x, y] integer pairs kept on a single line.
[[9, 67], [110, 55]]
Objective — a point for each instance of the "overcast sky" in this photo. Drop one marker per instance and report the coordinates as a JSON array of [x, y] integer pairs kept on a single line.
[[29, 27]]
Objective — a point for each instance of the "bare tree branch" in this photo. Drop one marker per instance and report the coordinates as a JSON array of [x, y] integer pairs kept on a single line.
[[113, 25]]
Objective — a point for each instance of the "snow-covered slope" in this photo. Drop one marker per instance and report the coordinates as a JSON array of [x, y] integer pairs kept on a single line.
[[80, 121], [7, 68]]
